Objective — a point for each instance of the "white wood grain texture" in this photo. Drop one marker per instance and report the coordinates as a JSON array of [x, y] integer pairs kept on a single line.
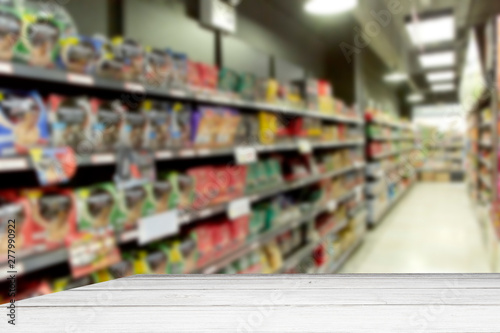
[[441, 303]]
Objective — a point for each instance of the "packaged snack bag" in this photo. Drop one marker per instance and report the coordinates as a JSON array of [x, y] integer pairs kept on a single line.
[[107, 65], [158, 125], [134, 129], [205, 127], [180, 126], [41, 32], [121, 269], [175, 260], [78, 54], [23, 122], [131, 55], [11, 26], [158, 199], [70, 120], [247, 86], [157, 262], [228, 123], [51, 217], [157, 67], [132, 203], [13, 210], [107, 123], [228, 81], [180, 71], [97, 207]]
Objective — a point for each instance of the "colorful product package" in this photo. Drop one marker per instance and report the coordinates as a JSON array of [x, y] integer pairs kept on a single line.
[[228, 81], [11, 24], [107, 123], [23, 122], [42, 30], [51, 217], [13, 210], [67, 283], [158, 125], [228, 123], [190, 253], [194, 78], [133, 204], [205, 127], [134, 129], [107, 65], [130, 54], [175, 260], [159, 197], [157, 67], [180, 126], [247, 86], [78, 54], [97, 207], [121, 269], [209, 76], [70, 120], [180, 70], [157, 262]]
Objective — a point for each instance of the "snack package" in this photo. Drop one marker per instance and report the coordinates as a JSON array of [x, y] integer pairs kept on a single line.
[[11, 25], [157, 67], [159, 197], [209, 76], [78, 54], [205, 127], [189, 253], [133, 204], [70, 120], [23, 122], [247, 86], [107, 123], [13, 210], [180, 70], [158, 125], [228, 81], [121, 269], [180, 126], [67, 283], [175, 260], [134, 129], [106, 64], [41, 30], [97, 207], [248, 130], [194, 78], [131, 55], [51, 217], [157, 262], [229, 121]]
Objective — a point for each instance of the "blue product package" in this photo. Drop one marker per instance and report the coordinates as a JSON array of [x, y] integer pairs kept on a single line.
[[23, 122]]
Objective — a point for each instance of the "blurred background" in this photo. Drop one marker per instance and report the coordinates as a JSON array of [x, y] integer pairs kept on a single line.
[[245, 137]]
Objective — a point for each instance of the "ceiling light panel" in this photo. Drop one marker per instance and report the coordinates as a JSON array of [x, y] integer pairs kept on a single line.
[[328, 7], [443, 87], [436, 60], [441, 76], [431, 31]]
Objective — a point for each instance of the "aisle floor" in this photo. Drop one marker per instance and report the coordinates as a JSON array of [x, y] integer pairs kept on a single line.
[[431, 230]]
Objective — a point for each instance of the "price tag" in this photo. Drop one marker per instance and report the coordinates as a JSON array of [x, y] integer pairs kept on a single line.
[[358, 164], [305, 146], [102, 158], [129, 236], [80, 79], [245, 155], [204, 152], [13, 164], [359, 193], [331, 206], [210, 270], [136, 87], [6, 68], [164, 155], [177, 93], [238, 208], [187, 153], [158, 226]]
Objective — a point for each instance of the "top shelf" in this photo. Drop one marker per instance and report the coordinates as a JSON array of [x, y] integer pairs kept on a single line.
[[22, 72]]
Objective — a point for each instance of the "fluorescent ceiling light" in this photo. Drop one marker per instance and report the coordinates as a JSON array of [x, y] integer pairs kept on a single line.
[[415, 98], [395, 77], [327, 7], [443, 87], [441, 76], [440, 59], [429, 31]]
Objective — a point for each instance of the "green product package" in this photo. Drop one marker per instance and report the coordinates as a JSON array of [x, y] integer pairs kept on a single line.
[[273, 171], [257, 221], [42, 31], [159, 197], [183, 190], [175, 259], [228, 80], [97, 207], [133, 204], [247, 86], [252, 179], [11, 25]]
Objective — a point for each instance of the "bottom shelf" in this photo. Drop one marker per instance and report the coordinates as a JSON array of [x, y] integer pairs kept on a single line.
[[388, 207]]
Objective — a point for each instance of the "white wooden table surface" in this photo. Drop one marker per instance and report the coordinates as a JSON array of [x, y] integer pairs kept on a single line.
[[279, 303]]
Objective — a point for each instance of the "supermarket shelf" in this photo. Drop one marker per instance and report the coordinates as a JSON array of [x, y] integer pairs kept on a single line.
[[389, 123], [486, 182], [23, 163], [28, 73], [441, 170], [485, 162], [335, 266], [485, 144], [380, 138], [487, 125], [305, 251], [392, 153], [389, 207]]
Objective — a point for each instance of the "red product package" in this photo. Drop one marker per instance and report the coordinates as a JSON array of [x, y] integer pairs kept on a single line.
[[297, 128], [221, 235], [239, 229], [221, 180], [203, 234], [194, 75], [13, 210], [237, 184], [209, 76], [50, 217], [324, 89], [205, 190]]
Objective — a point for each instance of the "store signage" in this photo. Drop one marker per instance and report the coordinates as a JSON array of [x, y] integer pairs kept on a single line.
[[218, 15], [159, 226], [245, 155]]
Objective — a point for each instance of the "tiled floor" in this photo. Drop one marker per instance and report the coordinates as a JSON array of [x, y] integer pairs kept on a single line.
[[431, 230]]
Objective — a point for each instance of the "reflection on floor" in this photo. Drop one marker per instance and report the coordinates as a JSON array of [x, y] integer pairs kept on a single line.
[[432, 230]]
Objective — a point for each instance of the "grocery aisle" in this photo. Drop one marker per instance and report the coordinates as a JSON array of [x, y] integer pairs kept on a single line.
[[432, 230]]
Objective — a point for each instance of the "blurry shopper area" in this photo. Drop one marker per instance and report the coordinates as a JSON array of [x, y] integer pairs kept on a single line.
[[246, 137]]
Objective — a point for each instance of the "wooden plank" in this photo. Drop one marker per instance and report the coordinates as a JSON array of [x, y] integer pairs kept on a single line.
[[303, 297], [258, 318], [236, 282]]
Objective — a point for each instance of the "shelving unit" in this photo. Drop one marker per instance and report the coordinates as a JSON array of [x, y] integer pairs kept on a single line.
[[390, 174]]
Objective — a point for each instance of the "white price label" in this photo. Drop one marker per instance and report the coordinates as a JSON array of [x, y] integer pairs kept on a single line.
[[135, 87], [80, 79], [210, 270], [103, 158], [7, 164], [187, 153], [204, 152], [177, 93], [238, 208], [164, 155], [129, 236], [359, 193], [158, 226], [358, 164], [305, 146], [245, 155], [331, 206], [6, 68]]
